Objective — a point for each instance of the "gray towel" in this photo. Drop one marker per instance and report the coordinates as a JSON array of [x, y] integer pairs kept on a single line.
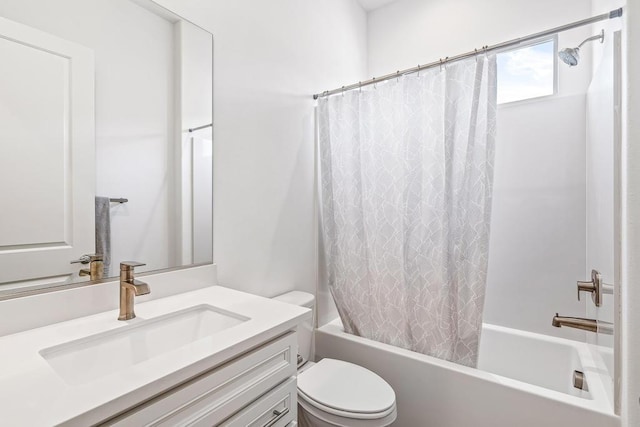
[[103, 231]]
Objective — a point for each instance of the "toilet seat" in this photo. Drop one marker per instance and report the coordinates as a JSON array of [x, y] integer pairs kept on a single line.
[[304, 399], [344, 390], [313, 416]]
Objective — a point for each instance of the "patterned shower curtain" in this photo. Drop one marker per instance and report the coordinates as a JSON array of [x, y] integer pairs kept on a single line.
[[407, 174]]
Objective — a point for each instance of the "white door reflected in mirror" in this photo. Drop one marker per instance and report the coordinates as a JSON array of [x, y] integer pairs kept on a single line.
[[47, 160], [62, 160]]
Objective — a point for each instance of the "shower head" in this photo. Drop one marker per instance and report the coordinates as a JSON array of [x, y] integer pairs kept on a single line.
[[571, 55]]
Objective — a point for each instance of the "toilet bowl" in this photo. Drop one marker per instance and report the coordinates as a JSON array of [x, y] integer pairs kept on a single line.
[[334, 392]]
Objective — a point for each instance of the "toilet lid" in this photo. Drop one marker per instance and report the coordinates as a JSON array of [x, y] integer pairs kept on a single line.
[[346, 387]]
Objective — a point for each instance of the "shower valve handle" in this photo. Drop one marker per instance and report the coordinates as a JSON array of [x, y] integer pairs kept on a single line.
[[585, 287], [594, 287]]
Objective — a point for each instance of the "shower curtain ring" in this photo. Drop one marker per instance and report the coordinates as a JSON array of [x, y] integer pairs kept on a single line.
[[440, 64], [374, 83], [418, 70], [445, 62], [343, 91], [476, 55], [398, 76]]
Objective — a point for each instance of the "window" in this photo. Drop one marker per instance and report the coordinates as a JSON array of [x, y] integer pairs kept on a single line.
[[527, 72]]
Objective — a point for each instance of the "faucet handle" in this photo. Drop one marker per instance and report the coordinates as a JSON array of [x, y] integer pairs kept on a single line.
[[130, 265], [585, 287], [88, 258], [84, 259], [594, 287]]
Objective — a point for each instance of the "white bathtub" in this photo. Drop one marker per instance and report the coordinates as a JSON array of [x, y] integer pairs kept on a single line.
[[523, 380]]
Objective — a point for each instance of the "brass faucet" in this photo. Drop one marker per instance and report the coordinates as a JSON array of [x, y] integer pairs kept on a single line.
[[590, 325], [96, 266], [130, 288]]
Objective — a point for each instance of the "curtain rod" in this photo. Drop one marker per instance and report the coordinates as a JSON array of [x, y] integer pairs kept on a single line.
[[191, 130], [613, 14]]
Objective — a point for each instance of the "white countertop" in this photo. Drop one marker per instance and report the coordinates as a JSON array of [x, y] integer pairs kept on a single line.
[[33, 394]]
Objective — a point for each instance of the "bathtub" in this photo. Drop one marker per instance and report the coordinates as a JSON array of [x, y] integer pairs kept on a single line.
[[523, 380]]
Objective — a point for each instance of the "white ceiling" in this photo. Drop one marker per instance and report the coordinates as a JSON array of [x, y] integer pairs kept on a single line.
[[374, 4]]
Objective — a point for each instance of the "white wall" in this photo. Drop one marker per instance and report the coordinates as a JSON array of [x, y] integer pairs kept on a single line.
[[196, 155], [630, 282], [269, 58], [408, 32], [603, 225], [538, 228], [537, 249], [630, 211], [134, 101], [601, 174]]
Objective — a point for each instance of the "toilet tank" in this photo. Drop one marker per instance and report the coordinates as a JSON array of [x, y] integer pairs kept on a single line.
[[305, 330]]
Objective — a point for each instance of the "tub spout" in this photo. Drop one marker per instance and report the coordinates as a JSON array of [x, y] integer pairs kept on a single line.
[[590, 325]]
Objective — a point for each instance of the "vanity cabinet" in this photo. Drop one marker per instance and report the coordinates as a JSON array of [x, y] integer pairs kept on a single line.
[[257, 388], [201, 358]]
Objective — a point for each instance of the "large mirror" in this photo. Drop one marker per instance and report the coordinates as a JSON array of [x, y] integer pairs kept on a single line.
[[105, 141]]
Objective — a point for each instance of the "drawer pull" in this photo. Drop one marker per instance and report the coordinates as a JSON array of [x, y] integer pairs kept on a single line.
[[279, 415]]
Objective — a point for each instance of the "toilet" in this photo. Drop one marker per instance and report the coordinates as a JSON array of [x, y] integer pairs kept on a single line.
[[334, 392]]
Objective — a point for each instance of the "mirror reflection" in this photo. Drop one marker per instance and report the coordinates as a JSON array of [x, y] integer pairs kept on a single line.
[[106, 140]]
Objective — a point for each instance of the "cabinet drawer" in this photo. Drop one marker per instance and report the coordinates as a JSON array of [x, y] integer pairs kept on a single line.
[[276, 409], [221, 392]]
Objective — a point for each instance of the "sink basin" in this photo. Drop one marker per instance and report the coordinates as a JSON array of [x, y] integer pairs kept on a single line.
[[86, 359]]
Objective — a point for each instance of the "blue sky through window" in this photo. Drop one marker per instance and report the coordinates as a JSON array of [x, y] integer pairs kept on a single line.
[[526, 72]]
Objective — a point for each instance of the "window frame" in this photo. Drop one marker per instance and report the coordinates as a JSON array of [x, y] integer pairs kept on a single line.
[[554, 40]]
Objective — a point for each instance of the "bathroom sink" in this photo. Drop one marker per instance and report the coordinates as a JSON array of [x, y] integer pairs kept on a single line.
[[86, 359]]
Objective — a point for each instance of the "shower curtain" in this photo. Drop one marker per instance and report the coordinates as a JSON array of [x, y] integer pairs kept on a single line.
[[406, 184]]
